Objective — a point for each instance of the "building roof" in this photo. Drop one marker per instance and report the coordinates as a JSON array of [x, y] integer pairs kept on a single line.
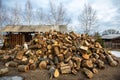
[[32, 28], [111, 36]]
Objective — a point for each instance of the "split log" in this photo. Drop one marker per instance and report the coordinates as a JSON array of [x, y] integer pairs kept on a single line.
[[56, 73], [60, 57], [87, 63], [74, 71], [33, 66], [49, 47], [68, 59], [66, 51], [65, 68], [20, 55], [78, 62], [96, 55], [11, 64], [86, 56], [23, 68], [43, 65], [111, 61], [4, 71], [56, 49], [95, 71], [36, 46], [101, 64], [84, 48], [88, 73], [70, 63], [68, 40]]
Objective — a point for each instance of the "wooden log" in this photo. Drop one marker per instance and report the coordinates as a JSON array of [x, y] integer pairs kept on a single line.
[[111, 61], [36, 46], [39, 52], [23, 68], [56, 50], [86, 56], [88, 73], [60, 57], [78, 62], [31, 61], [96, 55], [33, 66], [87, 63], [66, 51], [83, 48], [65, 68], [68, 40], [70, 63], [3, 71], [67, 59], [20, 55], [74, 71], [95, 71], [97, 45], [43, 65], [11, 64], [49, 47], [101, 64], [56, 73], [86, 43]]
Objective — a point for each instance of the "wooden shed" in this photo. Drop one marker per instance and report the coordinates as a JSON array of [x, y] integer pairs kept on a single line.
[[111, 41], [18, 34]]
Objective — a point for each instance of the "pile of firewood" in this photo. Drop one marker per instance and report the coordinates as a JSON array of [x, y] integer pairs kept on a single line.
[[60, 53]]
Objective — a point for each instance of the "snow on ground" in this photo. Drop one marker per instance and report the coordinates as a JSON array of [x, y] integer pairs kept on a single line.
[[116, 53]]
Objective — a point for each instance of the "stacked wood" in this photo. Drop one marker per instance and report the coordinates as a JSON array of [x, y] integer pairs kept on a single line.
[[23, 68], [60, 53], [4, 71]]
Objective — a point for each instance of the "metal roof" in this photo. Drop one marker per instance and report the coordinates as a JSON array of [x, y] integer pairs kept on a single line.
[[111, 36], [32, 28]]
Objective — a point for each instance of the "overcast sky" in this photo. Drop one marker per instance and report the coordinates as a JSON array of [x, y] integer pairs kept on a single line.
[[107, 10]]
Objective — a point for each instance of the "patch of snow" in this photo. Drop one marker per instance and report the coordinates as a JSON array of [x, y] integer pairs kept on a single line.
[[11, 78], [116, 53]]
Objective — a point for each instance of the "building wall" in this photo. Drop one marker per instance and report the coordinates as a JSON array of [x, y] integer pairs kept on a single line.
[[112, 43]]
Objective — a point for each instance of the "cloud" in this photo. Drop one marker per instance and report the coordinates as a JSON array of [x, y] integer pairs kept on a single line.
[[107, 10]]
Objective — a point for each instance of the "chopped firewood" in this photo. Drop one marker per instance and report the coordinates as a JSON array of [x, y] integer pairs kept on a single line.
[[43, 65], [85, 56], [23, 68], [60, 53], [111, 61], [84, 48], [56, 73], [74, 71], [33, 66], [11, 64], [87, 63], [88, 73], [65, 68], [3, 71], [95, 71]]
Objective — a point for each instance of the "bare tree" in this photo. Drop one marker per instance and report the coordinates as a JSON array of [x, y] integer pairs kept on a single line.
[[40, 16], [57, 14], [16, 17], [88, 19], [110, 31], [28, 12], [3, 15]]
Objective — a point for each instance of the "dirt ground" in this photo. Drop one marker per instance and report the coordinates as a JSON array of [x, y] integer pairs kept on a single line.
[[109, 73]]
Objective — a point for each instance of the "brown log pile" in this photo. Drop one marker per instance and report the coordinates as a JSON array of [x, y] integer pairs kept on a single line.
[[60, 53]]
